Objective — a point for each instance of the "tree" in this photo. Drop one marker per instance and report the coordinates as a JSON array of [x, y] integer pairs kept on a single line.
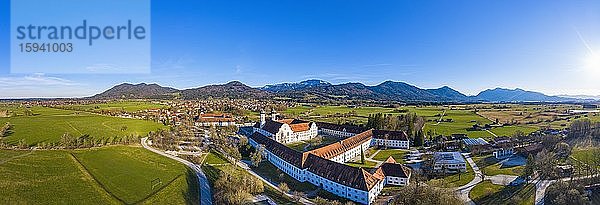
[[414, 194], [256, 157], [529, 167], [565, 193], [22, 144], [362, 155], [283, 187], [321, 201], [419, 138], [296, 195]]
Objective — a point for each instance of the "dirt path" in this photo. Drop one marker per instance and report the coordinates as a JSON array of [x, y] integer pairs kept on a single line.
[[73, 127], [15, 157]]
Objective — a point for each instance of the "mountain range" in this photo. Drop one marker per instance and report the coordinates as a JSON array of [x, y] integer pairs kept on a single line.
[[319, 89]]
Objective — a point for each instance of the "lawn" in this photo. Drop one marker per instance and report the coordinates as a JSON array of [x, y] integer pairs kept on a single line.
[[397, 154], [586, 155], [114, 175], [215, 159], [488, 193], [366, 165], [298, 146], [491, 166], [48, 125]]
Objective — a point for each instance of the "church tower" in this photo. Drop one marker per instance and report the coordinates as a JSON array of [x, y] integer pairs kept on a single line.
[[263, 117]]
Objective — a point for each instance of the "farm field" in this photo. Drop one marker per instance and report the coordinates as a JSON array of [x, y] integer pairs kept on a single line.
[[49, 124], [128, 106], [88, 177], [455, 119]]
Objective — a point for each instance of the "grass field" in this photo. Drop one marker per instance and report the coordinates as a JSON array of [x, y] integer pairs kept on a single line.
[[128, 106], [108, 175], [461, 119], [586, 155], [490, 166], [384, 154], [49, 124], [487, 193]]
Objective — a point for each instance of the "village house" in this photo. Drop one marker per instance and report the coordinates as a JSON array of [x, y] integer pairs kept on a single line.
[[218, 120]]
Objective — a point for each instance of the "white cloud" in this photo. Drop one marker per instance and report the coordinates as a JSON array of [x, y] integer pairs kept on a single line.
[[38, 79]]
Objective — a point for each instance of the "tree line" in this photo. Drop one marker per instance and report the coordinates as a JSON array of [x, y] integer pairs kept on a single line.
[[409, 123], [6, 129]]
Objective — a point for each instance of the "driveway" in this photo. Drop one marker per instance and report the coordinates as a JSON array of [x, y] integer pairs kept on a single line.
[[205, 195], [463, 191]]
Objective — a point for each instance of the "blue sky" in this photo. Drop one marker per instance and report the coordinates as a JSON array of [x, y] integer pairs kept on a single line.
[[468, 45]]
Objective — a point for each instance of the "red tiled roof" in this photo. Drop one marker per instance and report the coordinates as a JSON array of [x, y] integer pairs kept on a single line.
[[300, 127], [342, 146]]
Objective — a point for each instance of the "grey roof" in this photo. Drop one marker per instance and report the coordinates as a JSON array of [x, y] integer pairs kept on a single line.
[[478, 141], [448, 157]]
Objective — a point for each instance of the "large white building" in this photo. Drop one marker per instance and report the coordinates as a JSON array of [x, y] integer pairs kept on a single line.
[[449, 162], [286, 130], [324, 167], [391, 139]]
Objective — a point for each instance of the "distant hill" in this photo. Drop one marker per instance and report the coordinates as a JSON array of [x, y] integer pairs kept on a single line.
[[234, 89], [449, 93], [582, 97], [318, 89], [388, 91], [283, 87], [137, 91], [517, 95]]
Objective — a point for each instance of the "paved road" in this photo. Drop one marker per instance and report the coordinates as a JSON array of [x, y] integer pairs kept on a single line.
[[541, 185], [205, 195], [463, 191], [501, 179], [491, 133]]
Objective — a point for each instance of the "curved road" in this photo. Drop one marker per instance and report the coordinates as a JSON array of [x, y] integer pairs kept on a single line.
[[205, 195], [464, 190]]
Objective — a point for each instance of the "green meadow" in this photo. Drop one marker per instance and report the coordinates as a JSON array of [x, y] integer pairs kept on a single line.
[[108, 175], [460, 120], [128, 106], [49, 124]]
